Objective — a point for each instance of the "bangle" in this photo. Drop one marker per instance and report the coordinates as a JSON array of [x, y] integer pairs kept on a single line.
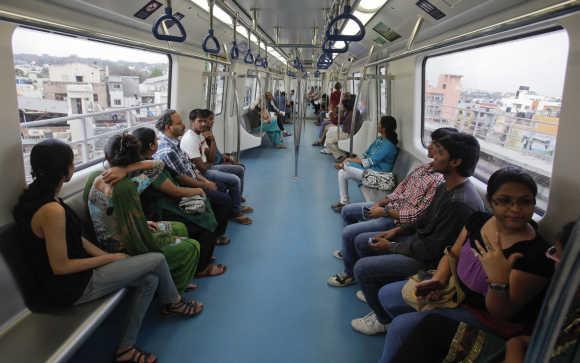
[[501, 287]]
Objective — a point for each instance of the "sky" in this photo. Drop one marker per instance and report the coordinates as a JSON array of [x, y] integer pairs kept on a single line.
[[39, 42], [538, 62]]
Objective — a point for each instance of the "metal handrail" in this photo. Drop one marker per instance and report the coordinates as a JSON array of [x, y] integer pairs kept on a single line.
[[546, 13], [55, 120]]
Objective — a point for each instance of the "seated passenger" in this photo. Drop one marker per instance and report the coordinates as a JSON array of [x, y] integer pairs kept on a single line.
[[118, 218], [437, 337], [195, 143], [270, 105], [172, 128], [380, 156], [333, 135], [501, 267], [70, 270], [327, 120], [270, 127], [161, 201], [221, 161], [419, 245], [403, 206]]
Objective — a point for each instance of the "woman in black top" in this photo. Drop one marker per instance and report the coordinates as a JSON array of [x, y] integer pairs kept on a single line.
[[70, 270]]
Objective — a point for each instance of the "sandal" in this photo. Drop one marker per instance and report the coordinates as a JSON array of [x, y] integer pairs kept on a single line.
[[186, 309], [337, 207], [246, 209], [242, 219], [212, 270], [191, 287], [137, 356], [222, 241]]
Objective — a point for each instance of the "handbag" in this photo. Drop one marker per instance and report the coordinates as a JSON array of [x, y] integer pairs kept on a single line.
[[377, 180], [193, 205], [451, 295]]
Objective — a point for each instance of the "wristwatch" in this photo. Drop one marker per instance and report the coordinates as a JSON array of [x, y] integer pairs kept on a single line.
[[501, 287]]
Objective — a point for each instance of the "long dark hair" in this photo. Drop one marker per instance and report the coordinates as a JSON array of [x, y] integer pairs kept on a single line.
[[50, 161], [146, 137], [510, 174], [390, 125], [122, 150]]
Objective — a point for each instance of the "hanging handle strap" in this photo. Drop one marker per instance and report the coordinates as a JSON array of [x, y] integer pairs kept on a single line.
[[170, 18], [235, 51], [327, 47], [215, 48], [249, 58], [347, 16]]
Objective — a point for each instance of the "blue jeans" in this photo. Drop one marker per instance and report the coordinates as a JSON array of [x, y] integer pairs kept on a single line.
[[374, 272], [232, 183], [405, 319], [236, 169]]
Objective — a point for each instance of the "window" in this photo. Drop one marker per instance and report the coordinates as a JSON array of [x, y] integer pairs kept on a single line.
[[355, 82], [508, 95], [63, 77], [219, 90], [383, 90]]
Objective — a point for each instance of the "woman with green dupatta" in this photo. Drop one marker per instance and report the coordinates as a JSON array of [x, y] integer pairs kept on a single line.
[[118, 217]]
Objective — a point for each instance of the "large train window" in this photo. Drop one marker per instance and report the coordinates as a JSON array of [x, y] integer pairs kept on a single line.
[[506, 94], [355, 82], [219, 92], [83, 91]]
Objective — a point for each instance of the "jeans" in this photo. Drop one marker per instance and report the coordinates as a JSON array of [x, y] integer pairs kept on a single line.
[[404, 318], [221, 204], [236, 169], [374, 272], [144, 275], [355, 239], [344, 175], [232, 183]]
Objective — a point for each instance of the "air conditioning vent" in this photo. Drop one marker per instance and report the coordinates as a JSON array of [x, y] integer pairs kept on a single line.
[[386, 32]]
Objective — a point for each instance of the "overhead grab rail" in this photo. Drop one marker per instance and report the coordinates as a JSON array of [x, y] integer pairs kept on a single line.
[[171, 18], [347, 16], [215, 49], [235, 51]]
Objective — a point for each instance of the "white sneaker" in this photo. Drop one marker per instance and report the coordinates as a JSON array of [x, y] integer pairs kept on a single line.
[[361, 296], [325, 151], [340, 280], [368, 325], [337, 254]]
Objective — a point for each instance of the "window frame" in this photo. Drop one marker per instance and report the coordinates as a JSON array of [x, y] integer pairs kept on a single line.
[[506, 39]]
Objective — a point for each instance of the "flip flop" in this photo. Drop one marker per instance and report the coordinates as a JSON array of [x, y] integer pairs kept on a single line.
[[222, 241], [209, 274]]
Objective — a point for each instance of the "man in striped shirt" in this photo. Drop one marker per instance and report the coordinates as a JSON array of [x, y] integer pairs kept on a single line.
[[403, 206]]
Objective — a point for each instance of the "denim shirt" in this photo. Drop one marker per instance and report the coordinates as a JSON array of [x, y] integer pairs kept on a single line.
[[380, 156]]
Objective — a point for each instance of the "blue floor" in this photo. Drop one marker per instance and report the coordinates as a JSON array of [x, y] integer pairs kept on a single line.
[[273, 303]]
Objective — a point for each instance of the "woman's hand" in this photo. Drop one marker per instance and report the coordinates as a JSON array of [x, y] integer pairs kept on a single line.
[[114, 175], [376, 212], [434, 285], [117, 256], [493, 261], [153, 227], [338, 166]]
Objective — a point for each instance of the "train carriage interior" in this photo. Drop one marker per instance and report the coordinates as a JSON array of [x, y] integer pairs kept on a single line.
[[188, 177]]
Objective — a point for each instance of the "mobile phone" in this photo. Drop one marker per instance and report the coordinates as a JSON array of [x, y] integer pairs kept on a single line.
[[426, 288], [365, 212]]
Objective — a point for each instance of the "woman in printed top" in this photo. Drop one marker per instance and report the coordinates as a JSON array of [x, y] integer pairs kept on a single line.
[[70, 270], [380, 156], [118, 217], [501, 267]]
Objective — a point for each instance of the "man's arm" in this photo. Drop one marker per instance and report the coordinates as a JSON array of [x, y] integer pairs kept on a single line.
[[190, 182], [212, 147], [200, 165]]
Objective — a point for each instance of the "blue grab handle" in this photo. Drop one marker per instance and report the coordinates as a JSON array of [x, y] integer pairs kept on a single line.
[[169, 17], [327, 47], [258, 60], [216, 44], [234, 52], [346, 15], [265, 63], [249, 58]]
